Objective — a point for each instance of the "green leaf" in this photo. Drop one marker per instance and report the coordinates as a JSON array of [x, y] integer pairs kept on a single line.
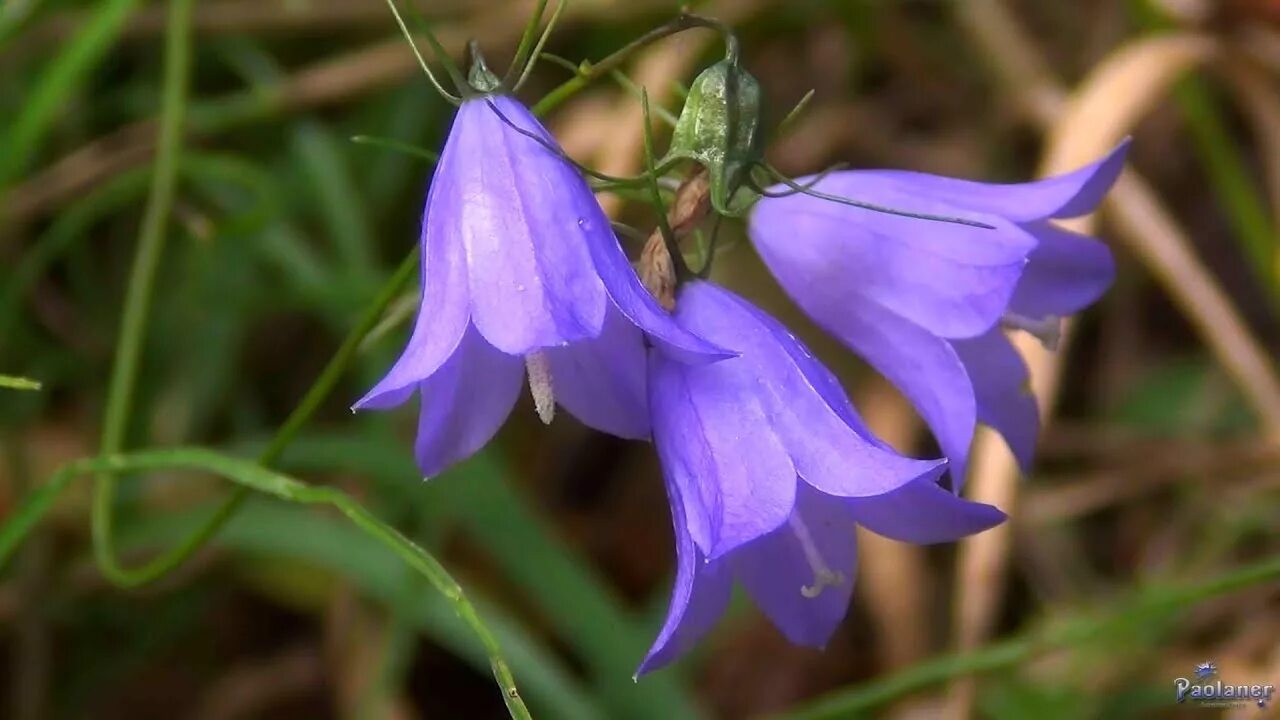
[[12, 382]]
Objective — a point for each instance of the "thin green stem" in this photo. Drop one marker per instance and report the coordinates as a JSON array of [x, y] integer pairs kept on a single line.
[[177, 61], [422, 62], [521, 59], [302, 413], [655, 196], [542, 44], [590, 72], [1152, 601], [251, 476]]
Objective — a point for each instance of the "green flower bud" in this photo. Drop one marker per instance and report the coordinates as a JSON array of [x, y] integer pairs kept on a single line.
[[719, 128]]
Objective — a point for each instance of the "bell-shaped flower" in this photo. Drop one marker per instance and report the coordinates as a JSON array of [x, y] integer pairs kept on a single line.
[[522, 274], [924, 302], [768, 470]]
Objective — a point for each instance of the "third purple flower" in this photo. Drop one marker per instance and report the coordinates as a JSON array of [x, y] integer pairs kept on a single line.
[[768, 470], [925, 302]]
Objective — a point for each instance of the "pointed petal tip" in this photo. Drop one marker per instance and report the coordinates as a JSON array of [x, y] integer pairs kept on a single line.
[[1096, 181]]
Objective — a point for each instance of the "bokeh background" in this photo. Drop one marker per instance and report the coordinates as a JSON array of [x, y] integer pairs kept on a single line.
[[1145, 540]]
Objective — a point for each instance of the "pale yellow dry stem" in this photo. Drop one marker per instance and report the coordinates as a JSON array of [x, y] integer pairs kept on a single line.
[[1079, 129], [893, 579]]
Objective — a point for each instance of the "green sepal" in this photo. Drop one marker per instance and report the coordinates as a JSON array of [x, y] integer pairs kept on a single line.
[[720, 128]]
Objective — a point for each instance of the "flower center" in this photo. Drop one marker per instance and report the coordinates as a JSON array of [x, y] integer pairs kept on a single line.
[[544, 396], [1048, 329], [823, 575]]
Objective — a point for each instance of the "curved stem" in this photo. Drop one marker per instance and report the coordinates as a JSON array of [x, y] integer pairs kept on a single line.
[[137, 305], [316, 395], [589, 72], [422, 62], [250, 476]]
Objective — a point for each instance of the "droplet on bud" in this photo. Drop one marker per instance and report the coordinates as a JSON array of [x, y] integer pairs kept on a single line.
[[544, 398]]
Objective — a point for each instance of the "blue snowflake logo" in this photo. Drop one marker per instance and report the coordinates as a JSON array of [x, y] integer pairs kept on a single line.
[[1206, 669]]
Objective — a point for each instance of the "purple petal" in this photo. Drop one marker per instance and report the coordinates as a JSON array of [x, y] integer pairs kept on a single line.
[[776, 568], [642, 309], [716, 444], [443, 317], [526, 218], [698, 598], [601, 381], [1001, 386], [923, 513], [1062, 196], [465, 402], [953, 280], [1067, 272], [923, 367], [824, 448]]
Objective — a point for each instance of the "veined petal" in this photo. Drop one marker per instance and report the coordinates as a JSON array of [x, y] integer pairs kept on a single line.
[[642, 309], [1067, 272], [698, 598], [925, 368], [923, 513], [1062, 196], [953, 280], [1001, 387], [778, 569], [601, 381], [443, 315], [465, 402], [526, 218], [824, 449], [716, 443]]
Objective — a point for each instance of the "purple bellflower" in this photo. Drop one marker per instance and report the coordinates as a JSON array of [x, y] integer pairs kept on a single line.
[[522, 275], [926, 302], [768, 470]]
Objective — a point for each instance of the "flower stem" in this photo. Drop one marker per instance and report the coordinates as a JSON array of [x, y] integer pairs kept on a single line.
[[590, 72], [177, 61]]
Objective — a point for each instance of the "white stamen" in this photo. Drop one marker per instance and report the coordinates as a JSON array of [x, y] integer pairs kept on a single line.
[[823, 575], [1048, 329], [544, 396]]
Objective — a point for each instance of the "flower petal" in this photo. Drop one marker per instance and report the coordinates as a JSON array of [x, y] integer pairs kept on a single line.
[[715, 442], [642, 309], [465, 402], [526, 218], [1000, 384], [776, 568], [1062, 196], [443, 318], [698, 598], [923, 367], [923, 513], [824, 448], [953, 280], [1067, 272], [601, 381]]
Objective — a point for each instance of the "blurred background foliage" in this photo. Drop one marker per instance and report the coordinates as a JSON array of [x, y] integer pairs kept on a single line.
[[1145, 540]]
